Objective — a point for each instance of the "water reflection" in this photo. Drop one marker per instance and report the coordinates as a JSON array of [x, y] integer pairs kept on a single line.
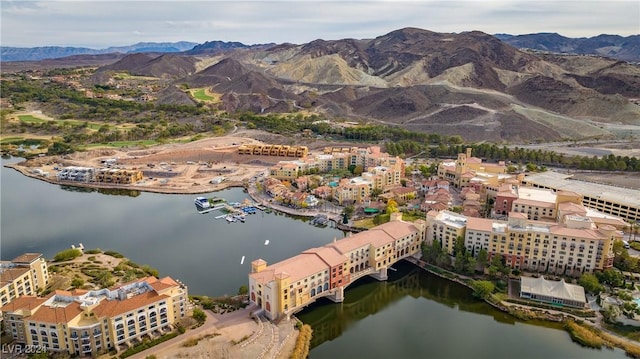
[[368, 296], [107, 191]]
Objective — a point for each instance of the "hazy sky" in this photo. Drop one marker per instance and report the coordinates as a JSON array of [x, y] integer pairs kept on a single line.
[[99, 24]]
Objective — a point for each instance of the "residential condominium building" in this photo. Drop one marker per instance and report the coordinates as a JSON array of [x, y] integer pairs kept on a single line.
[[333, 159], [617, 201], [24, 275], [283, 288], [87, 323]]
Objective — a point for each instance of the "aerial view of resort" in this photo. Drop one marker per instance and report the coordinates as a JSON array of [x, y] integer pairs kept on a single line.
[[290, 180]]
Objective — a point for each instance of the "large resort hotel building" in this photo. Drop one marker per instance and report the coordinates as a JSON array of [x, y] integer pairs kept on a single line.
[[87, 323], [575, 244], [283, 288], [618, 201]]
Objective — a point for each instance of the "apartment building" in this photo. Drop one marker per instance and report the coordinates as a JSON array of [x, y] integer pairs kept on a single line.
[[350, 190], [87, 323], [286, 170], [285, 287], [575, 244], [273, 150], [617, 201], [24, 275]]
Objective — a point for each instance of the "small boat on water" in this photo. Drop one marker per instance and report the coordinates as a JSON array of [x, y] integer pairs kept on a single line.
[[242, 260], [202, 203], [230, 218], [266, 243], [239, 217]]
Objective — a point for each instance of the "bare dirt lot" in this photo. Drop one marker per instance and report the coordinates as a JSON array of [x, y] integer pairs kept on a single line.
[[178, 167]]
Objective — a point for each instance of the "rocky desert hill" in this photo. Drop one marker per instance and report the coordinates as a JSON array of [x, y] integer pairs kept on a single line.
[[469, 84]]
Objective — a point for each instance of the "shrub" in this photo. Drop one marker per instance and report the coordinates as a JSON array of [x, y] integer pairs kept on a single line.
[[146, 345], [301, 349], [93, 251], [114, 254], [67, 255], [77, 282], [583, 335]]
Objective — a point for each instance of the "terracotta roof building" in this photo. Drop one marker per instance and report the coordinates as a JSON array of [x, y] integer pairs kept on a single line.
[[85, 323], [285, 287], [24, 275]]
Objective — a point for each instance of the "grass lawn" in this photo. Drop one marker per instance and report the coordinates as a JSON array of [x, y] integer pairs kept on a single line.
[[124, 144], [11, 139], [126, 76], [29, 118], [94, 126], [364, 223], [200, 95], [411, 217], [203, 94]]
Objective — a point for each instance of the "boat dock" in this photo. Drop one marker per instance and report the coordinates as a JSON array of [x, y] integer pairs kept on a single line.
[[214, 208]]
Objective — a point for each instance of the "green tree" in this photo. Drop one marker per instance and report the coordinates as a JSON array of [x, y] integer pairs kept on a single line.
[[243, 290], [611, 276], [590, 283], [482, 288], [77, 282], [392, 207], [348, 211], [497, 265], [470, 264], [483, 258], [199, 315]]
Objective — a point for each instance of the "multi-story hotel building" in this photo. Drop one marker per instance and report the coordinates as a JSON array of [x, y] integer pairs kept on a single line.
[[285, 287], [446, 227], [575, 244], [24, 275], [85, 323], [618, 201]]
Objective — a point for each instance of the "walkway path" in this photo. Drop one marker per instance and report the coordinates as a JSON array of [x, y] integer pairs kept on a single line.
[[234, 335]]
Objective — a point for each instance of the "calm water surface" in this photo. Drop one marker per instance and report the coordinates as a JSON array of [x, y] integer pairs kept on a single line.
[[413, 315]]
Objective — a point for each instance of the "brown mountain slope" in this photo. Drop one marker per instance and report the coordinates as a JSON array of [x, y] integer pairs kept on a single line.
[[469, 84], [167, 66]]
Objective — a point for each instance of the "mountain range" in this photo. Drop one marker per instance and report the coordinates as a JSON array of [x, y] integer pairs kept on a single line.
[[52, 52], [613, 46], [470, 84]]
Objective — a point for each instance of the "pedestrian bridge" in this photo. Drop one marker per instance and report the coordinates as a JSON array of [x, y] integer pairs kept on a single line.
[[337, 294]]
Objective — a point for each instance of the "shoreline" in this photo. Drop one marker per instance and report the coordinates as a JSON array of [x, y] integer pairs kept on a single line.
[[155, 189], [559, 317]]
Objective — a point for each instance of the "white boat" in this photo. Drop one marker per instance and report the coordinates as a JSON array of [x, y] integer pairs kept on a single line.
[[266, 242], [202, 203], [230, 218], [239, 216], [242, 260]]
